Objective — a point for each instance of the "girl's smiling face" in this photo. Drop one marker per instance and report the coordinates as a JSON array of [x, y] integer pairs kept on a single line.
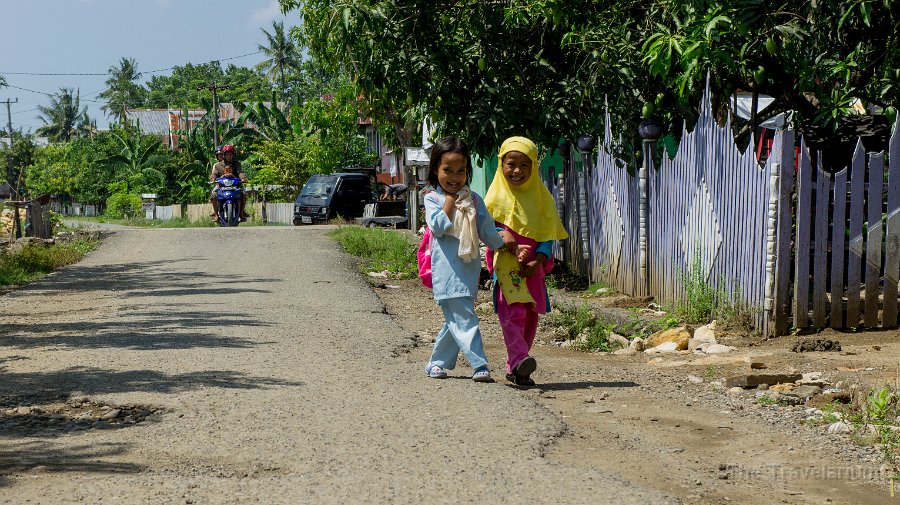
[[516, 168], [451, 172]]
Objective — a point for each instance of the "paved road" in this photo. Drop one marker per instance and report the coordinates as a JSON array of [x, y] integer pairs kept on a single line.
[[277, 375]]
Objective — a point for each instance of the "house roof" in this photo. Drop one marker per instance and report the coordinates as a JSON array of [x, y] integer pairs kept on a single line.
[[157, 121]]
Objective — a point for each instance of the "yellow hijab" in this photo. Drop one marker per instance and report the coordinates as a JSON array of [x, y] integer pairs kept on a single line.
[[529, 209]]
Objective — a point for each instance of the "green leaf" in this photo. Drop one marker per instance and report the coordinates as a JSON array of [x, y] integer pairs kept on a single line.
[[715, 21]]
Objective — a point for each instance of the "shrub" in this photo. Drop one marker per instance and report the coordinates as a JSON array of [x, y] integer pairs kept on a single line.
[[123, 205]]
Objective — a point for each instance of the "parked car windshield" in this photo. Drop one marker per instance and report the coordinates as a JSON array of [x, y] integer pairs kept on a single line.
[[317, 188]]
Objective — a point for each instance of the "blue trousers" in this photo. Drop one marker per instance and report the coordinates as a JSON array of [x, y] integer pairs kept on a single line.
[[459, 333]]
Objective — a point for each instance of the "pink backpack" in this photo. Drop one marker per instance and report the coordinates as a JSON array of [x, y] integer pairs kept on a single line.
[[423, 257]]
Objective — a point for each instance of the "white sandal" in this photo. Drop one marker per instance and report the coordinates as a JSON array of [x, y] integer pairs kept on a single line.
[[435, 372]]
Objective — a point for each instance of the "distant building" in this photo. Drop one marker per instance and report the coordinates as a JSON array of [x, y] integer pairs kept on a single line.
[[164, 123], [38, 141]]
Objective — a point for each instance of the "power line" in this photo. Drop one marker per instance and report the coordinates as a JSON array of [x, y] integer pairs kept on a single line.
[[204, 63], [50, 94], [156, 71]]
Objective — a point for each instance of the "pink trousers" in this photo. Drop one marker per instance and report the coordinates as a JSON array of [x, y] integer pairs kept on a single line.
[[519, 322]]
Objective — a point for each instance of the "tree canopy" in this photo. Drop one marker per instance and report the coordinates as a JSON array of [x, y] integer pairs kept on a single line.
[[122, 91], [180, 88], [545, 68], [64, 118], [281, 53]]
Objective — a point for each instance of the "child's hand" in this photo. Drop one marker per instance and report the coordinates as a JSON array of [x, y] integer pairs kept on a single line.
[[509, 243], [527, 269], [522, 252]]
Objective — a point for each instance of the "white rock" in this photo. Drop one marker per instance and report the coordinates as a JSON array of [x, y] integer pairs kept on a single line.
[[379, 275], [718, 349], [602, 291], [736, 390], [811, 376], [694, 379], [664, 347], [624, 352], [694, 344], [112, 414], [617, 342], [839, 427], [637, 344], [706, 333], [701, 348]]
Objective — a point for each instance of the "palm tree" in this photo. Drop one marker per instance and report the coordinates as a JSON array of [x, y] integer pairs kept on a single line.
[[122, 91], [64, 119], [281, 52]]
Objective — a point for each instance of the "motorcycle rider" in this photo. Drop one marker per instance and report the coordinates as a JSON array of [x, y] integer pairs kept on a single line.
[[228, 159]]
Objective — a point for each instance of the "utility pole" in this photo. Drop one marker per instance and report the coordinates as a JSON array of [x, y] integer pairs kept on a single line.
[[9, 164], [212, 86]]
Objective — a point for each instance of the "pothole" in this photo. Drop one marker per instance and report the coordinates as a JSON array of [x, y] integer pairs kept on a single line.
[[21, 416]]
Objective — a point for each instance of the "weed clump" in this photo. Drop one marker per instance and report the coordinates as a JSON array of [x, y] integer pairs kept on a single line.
[[579, 324], [37, 260], [703, 302], [384, 249]]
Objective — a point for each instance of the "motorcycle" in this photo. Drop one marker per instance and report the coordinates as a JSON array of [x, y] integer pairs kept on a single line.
[[229, 196]]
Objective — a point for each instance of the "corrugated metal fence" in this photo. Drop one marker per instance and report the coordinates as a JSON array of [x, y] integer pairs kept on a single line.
[[746, 229], [281, 213]]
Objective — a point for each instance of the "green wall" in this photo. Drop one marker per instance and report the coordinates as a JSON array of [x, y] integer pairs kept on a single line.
[[484, 168]]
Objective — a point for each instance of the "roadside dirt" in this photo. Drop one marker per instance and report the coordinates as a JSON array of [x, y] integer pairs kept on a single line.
[[667, 422]]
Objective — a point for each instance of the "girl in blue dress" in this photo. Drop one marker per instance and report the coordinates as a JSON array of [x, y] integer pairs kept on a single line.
[[458, 221]]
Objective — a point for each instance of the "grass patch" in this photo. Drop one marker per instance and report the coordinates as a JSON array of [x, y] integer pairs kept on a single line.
[[581, 325], [591, 291], [702, 302], [383, 249], [35, 261], [768, 401]]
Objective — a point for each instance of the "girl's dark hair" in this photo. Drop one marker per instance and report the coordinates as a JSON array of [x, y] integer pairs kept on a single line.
[[442, 147]]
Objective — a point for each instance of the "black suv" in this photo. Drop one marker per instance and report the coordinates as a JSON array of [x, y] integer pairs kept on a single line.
[[326, 196]]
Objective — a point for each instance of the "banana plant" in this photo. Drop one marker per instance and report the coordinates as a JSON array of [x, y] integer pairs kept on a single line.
[[138, 156], [260, 122]]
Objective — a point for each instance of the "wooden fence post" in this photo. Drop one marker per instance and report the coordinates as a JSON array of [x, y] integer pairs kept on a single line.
[[781, 309], [838, 225], [771, 237], [643, 222], [873, 240], [892, 239], [802, 242]]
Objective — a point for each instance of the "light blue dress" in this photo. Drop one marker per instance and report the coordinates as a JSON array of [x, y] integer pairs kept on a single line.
[[455, 283]]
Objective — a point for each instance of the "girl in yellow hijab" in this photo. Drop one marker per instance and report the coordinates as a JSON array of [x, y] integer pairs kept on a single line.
[[524, 210]]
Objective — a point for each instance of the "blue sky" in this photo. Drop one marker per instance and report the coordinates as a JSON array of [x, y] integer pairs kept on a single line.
[[88, 36]]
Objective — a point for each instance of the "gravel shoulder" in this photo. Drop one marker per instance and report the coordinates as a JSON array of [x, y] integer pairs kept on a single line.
[[257, 366], [642, 418]]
